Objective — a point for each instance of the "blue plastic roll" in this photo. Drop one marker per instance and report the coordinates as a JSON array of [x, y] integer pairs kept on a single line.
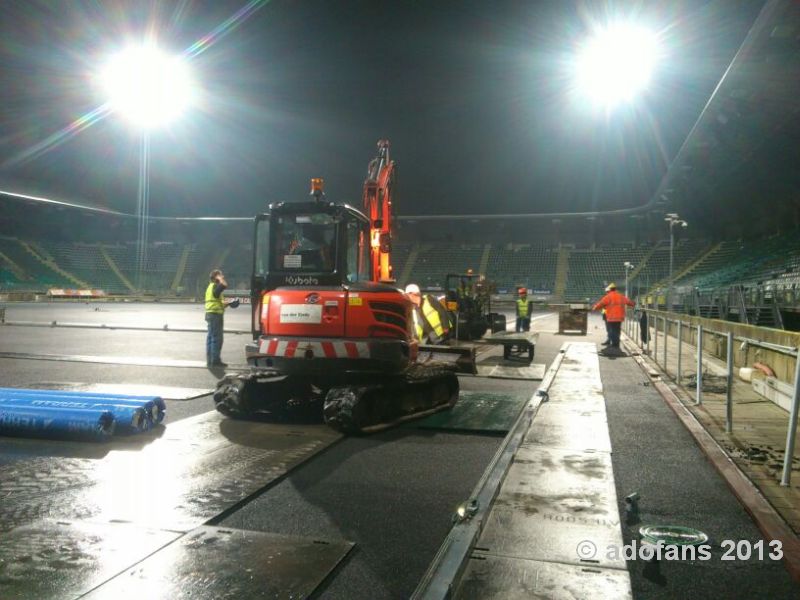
[[51, 422], [154, 405], [140, 414], [129, 419]]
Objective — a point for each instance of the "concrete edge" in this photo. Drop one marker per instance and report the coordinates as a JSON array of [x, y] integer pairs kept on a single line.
[[766, 518]]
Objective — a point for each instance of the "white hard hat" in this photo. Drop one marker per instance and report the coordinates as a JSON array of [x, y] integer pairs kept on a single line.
[[412, 288]]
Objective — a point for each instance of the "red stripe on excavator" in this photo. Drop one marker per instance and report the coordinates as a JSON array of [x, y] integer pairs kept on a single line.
[[290, 349], [329, 349]]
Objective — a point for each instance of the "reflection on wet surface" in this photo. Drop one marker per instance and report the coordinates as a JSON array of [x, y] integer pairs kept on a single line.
[[197, 469], [51, 559]]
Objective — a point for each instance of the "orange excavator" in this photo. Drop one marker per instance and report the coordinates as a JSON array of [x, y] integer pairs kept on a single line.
[[331, 331]]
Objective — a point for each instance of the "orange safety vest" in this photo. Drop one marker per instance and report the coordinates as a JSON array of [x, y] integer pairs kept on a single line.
[[614, 303]]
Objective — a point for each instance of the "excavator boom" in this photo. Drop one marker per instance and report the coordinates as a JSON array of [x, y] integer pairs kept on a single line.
[[378, 188]]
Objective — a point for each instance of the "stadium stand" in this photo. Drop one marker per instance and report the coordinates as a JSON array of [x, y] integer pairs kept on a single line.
[[161, 264], [237, 265], [88, 263], [655, 267], [771, 260], [39, 273], [531, 266], [590, 270], [435, 261], [755, 281], [403, 258]]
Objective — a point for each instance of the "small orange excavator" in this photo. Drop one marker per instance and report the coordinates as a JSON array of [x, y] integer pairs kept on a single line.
[[330, 328]]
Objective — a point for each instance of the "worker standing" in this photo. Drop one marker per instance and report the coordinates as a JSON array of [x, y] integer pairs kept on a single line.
[[431, 319], [605, 322], [614, 303], [524, 309], [215, 309]]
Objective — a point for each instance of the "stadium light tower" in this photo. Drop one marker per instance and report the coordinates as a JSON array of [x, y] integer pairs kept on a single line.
[[150, 89], [616, 63], [673, 219], [628, 268]]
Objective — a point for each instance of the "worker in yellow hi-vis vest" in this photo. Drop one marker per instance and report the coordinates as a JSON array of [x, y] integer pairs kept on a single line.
[[431, 319], [524, 310], [215, 310]]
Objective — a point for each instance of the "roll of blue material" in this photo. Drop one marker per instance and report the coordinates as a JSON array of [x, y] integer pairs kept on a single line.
[[129, 419], [148, 408], [39, 421], [154, 405]]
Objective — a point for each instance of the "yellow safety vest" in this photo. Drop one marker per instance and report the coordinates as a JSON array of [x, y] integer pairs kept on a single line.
[[213, 305], [522, 307], [432, 316], [417, 324]]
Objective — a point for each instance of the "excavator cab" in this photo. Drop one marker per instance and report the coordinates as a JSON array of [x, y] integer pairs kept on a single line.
[[313, 298], [308, 244]]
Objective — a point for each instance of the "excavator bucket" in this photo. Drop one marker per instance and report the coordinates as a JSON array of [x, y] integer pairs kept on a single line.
[[462, 357]]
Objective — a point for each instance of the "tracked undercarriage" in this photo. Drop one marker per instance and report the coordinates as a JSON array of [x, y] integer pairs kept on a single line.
[[353, 404]]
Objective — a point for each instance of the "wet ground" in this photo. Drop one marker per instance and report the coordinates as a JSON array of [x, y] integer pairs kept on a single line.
[[381, 505]]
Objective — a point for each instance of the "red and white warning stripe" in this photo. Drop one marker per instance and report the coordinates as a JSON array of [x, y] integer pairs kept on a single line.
[[298, 348]]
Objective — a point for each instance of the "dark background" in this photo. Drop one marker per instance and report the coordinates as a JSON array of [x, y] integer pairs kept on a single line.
[[476, 98]]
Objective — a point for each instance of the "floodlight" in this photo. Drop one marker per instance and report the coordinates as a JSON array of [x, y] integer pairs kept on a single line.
[[146, 85], [616, 63]]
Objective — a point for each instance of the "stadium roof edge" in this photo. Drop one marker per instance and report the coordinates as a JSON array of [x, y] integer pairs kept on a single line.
[[108, 211]]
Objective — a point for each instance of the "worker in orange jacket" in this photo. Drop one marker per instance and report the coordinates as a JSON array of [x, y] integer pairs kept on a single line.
[[615, 304]]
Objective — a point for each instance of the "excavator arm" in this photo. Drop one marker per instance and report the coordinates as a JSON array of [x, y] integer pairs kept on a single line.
[[378, 207]]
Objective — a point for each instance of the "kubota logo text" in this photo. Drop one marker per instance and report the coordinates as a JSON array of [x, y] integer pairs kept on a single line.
[[296, 280]]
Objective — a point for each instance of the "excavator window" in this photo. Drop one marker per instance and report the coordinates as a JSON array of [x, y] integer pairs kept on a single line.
[[262, 246], [305, 243]]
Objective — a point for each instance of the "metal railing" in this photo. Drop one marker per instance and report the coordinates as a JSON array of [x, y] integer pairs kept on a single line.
[[660, 324]]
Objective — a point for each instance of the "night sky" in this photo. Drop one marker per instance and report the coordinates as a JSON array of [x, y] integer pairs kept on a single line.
[[477, 99]]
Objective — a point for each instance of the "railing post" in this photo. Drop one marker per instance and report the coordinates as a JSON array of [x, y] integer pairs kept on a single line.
[[666, 333], [699, 394], [655, 339], [729, 387], [648, 333], [637, 329], [792, 432], [680, 351]]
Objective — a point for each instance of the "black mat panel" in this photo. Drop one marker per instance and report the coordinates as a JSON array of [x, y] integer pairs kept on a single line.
[[477, 411], [212, 562]]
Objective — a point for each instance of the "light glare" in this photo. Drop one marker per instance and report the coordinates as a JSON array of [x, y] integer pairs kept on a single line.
[[616, 63], [147, 86]]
